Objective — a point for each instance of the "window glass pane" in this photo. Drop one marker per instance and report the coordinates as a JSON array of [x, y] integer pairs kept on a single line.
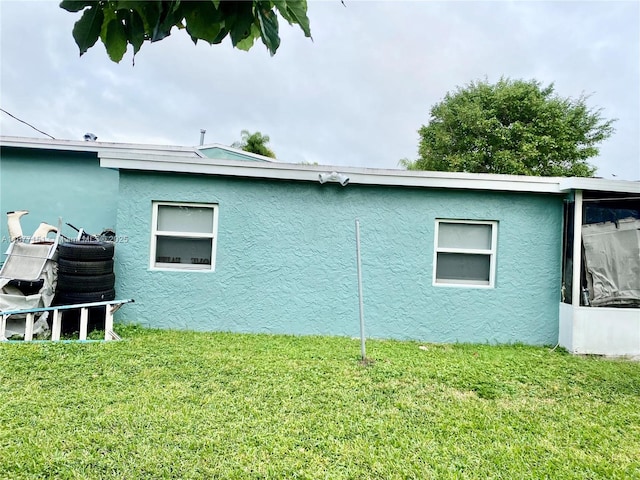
[[464, 235], [184, 251], [463, 267], [176, 218]]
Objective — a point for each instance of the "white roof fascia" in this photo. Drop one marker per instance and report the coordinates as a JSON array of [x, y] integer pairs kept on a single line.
[[238, 151], [598, 184], [191, 160], [84, 146], [362, 176]]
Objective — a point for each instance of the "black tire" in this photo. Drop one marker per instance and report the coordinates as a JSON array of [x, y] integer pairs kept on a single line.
[[86, 251], [74, 267], [85, 284], [71, 298]]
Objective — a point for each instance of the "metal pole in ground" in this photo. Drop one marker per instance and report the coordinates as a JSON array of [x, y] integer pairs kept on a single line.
[[362, 339]]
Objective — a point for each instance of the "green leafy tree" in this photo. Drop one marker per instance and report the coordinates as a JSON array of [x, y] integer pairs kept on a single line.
[[128, 22], [254, 143], [512, 127]]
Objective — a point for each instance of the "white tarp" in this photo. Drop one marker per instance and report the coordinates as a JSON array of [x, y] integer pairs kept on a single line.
[[27, 262], [612, 262]]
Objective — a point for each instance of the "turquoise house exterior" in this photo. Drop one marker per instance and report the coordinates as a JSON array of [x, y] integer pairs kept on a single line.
[[208, 240], [285, 260], [54, 183], [63, 178]]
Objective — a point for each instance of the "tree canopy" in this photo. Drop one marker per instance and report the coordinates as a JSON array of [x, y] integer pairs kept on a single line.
[[512, 127], [128, 22], [254, 143]]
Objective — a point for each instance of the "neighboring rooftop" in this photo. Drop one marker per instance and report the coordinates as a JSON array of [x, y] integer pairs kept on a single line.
[[215, 150]]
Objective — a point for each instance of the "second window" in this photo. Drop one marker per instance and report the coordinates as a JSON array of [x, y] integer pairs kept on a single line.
[[465, 253]]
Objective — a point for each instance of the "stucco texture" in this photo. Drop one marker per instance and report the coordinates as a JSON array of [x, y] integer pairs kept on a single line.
[[286, 261], [52, 184]]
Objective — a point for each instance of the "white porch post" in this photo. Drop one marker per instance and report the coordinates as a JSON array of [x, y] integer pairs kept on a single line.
[[577, 250]]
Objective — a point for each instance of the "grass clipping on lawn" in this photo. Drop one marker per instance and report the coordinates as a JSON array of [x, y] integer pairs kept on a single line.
[[165, 404]]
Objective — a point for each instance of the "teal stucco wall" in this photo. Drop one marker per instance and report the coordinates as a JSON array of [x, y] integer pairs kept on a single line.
[[286, 261], [51, 184]]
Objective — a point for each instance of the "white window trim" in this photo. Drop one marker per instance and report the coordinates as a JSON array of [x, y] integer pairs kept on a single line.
[[153, 265], [489, 252]]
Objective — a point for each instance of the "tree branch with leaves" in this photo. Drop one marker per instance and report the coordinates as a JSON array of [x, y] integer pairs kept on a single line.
[[119, 24]]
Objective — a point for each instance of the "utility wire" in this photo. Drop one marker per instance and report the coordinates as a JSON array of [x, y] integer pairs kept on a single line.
[[28, 124]]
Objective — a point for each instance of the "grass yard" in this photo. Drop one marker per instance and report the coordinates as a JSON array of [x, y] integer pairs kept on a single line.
[[184, 405]]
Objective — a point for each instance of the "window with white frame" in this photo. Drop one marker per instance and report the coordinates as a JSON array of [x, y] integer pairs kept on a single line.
[[184, 236], [465, 253]]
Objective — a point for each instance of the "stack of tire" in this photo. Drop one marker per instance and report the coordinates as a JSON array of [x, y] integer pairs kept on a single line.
[[85, 275]]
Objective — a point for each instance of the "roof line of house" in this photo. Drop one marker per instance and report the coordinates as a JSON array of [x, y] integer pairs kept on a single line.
[[180, 159], [95, 146], [244, 153], [358, 175]]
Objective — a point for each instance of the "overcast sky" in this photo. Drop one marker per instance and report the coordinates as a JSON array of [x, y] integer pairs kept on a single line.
[[355, 95]]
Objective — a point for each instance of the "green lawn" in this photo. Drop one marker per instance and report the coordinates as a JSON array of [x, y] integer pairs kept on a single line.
[[164, 404]]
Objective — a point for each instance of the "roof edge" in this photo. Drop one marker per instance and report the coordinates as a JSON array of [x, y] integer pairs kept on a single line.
[[181, 159], [598, 184], [238, 151], [85, 146], [310, 173]]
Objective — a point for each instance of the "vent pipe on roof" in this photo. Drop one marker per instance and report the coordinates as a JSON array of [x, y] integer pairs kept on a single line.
[[202, 132]]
